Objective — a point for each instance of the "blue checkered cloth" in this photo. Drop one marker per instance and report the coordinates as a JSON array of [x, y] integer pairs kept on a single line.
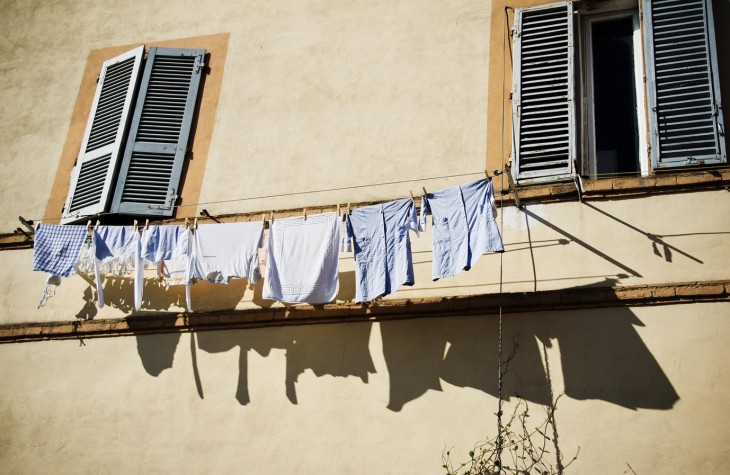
[[57, 248]]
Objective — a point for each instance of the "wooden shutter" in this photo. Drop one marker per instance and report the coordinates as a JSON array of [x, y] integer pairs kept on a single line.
[[154, 157], [92, 178], [544, 140], [685, 114]]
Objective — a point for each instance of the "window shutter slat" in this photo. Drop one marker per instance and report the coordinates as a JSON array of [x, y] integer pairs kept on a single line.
[[685, 110], [92, 178], [543, 110], [155, 154]]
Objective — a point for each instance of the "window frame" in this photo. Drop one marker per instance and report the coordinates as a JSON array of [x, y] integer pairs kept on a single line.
[[589, 155], [117, 173], [648, 157]]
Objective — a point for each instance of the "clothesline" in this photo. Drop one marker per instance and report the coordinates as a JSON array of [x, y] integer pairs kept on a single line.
[[281, 195], [301, 253]]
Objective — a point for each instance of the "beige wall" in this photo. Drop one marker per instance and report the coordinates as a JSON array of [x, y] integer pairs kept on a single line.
[[645, 386], [315, 95], [318, 95]]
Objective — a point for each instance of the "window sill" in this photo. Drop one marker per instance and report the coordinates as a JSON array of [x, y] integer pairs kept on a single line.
[[619, 187]]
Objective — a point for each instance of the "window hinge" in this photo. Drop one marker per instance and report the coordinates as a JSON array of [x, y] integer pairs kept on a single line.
[[173, 198], [199, 63]]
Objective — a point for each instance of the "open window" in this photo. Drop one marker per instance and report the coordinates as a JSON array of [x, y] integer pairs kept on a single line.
[[136, 139], [613, 85], [600, 107]]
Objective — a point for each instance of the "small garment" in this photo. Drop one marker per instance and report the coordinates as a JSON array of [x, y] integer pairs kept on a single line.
[[56, 248], [162, 243], [222, 251], [464, 226], [117, 252], [383, 260], [169, 248], [302, 259]]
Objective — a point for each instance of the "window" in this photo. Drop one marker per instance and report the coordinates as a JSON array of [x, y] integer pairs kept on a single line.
[[136, 138], [685, 125]]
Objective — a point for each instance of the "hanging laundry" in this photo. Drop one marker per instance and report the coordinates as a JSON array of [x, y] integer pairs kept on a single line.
[[169, 248], [222, 251], [383, 260], [117, 252], [302, 259], [56, 248], [464, 226], [163, 243]]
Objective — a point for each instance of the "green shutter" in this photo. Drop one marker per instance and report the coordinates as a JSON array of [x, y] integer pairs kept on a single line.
[[685, 112], [157, 146], [92, 178], [544, 143]]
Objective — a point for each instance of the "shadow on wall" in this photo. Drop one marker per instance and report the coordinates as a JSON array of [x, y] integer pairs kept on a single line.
[[601, 354], [119, 294], [336, 350]]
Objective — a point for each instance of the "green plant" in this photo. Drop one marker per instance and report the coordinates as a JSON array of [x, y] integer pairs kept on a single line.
[[526, 448]]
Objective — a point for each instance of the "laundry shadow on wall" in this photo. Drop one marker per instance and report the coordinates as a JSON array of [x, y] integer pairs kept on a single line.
[[601, 354], [156, 351], [335, 350], [205, 296]]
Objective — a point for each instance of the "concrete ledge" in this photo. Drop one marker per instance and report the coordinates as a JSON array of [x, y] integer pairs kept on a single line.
[[486, 304]]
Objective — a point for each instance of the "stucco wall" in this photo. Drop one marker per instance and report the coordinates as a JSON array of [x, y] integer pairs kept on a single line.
[[315, 95], [644, 386]]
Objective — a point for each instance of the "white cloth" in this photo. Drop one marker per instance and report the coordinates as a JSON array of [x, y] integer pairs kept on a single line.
[[222, 251], [302, 259], [163, 243], [169, 248], [117, 252]]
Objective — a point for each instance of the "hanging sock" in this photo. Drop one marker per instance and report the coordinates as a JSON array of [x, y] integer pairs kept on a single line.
[[49, 290]]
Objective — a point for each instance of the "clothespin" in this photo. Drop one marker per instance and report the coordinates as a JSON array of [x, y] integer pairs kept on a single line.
[[96, 226], [305, 214], [146, 223], [135, 225], [88, 231], [187, 223], [486, 172], [263, 216], [411, 192], [424, 191], [37, 225], [195, 223], [29, 225]]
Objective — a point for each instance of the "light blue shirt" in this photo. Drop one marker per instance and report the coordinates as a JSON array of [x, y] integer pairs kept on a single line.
[[383, 259], [464, 226]]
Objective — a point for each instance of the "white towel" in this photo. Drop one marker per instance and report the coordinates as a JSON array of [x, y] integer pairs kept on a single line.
[[222, 251], [302, 259]]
